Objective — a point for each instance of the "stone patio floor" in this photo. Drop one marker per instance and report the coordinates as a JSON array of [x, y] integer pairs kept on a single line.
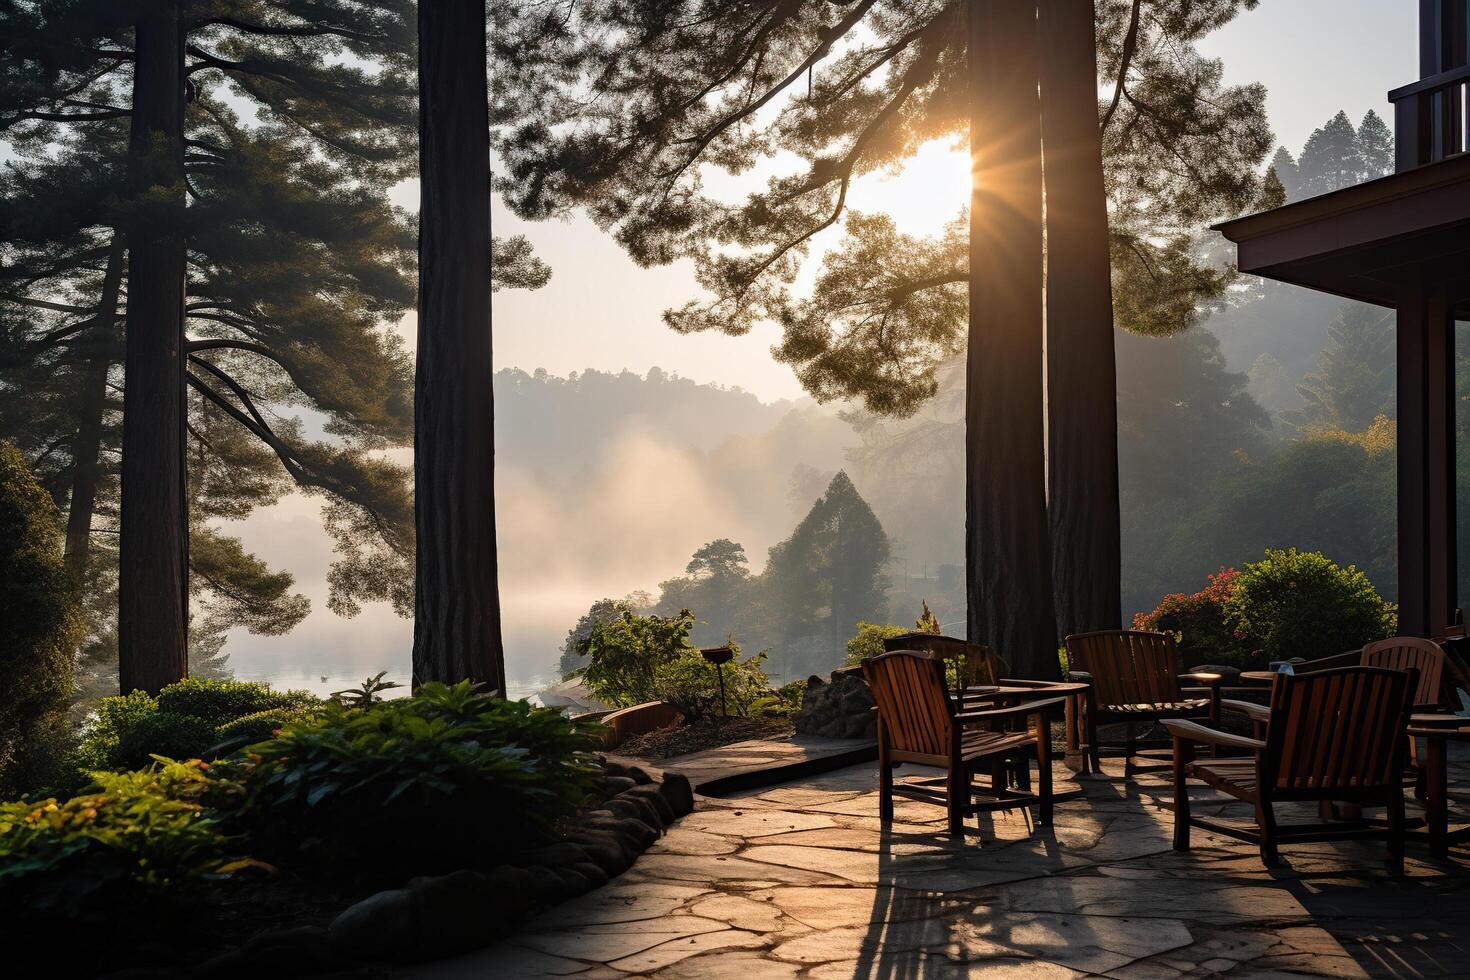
[[802, 880]]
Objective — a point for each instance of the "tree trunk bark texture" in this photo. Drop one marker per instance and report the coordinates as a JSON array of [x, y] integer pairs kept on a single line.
[[1007, 550], [457, 604], [153, 586], [86, 468], [1081, 389]]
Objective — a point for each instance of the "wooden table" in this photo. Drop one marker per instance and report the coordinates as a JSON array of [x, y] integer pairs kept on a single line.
[[1258, 676], [1438, 731], [1008, 692]]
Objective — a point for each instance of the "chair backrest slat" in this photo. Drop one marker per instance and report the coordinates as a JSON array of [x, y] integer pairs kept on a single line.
[[1405, 652], [1128, 666], [1337, 729], [908, 686], [975, 663]]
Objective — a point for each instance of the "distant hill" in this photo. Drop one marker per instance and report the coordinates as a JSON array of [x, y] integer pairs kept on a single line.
[[560, 424]]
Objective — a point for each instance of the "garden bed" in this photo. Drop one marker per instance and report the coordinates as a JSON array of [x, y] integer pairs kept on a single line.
[[668, 742]]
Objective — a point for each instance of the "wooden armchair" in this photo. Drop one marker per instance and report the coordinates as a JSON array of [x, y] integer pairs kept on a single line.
[[1330, 735], [920, 722], [1395, 653], [1133, 677]]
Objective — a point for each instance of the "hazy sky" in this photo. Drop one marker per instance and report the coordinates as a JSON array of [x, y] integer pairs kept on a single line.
[[602, 311]]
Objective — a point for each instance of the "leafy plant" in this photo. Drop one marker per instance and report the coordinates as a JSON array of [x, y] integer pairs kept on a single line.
[[131, 834], [368, 692], [692, 684], [868, 642], [623, 656], [1198, 622], [1301, 604], [186, 720], [416, 785]]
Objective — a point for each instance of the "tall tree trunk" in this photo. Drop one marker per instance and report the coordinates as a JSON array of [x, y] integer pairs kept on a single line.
[[1007, 552], [456, 631], [1081, 389], [86, 445], [152, 569]]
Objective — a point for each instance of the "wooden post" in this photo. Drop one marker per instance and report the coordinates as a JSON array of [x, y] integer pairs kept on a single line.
[[1007, 540], [1426, 462]]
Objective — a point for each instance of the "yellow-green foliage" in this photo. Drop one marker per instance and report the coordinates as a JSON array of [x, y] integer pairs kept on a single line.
[[869, 640], [148, 828]]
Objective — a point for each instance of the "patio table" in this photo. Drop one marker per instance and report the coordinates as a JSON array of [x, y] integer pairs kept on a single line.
[[1438, 731], [1258, 676]]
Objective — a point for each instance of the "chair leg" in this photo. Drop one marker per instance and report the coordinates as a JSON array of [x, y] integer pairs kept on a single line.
[[1266, 818], [957, 796], [998, 782], [1396, 830], [1043, 776], [1091, 728], [885, 778], [1130, 746], [1183, 755]]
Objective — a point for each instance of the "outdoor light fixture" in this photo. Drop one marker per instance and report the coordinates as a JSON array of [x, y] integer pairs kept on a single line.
[[719, 656]]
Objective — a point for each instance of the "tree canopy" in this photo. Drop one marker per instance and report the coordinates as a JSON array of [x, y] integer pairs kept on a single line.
[[807, 97]]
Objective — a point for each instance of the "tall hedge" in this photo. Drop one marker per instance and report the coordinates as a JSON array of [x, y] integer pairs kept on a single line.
[[40, 625]]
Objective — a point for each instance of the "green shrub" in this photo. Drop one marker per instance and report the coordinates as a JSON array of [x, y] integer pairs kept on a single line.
[[416, 785], [692, 684], [1198, 622], [259, 726], [1300, 604], [40, 627], [186, 720], [130, 836], [623, 656], [219, 702], [869, 640]]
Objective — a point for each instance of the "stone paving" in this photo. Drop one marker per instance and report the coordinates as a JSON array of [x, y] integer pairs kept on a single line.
[[802, 880]]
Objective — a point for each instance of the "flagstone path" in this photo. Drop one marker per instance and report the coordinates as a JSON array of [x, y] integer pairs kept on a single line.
[[801, 880]]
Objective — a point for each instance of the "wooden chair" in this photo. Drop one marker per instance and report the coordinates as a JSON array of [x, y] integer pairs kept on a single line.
[[1133, 677], [1330, 735], [920, 722], [1395, 653], [974, 663]]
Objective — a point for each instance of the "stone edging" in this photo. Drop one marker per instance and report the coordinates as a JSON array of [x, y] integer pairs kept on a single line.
[[434, 917]]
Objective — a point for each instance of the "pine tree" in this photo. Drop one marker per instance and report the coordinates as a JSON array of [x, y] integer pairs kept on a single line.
[[851, 90], [1355, 380], [296, 267]]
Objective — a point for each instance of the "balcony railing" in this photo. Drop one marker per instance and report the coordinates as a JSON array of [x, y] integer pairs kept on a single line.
[[1430, 118]]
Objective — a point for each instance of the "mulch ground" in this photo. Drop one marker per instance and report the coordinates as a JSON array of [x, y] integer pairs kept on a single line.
[[668, 742]]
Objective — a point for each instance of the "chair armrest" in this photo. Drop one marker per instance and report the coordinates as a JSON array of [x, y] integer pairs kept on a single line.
[[1199, 677], [1015, 711], [1188, 731], [1255, 712]]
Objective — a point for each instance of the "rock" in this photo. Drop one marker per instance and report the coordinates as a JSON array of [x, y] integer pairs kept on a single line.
[[376, 926], [604, 849], [618, 784], [559, 855], [638, 774], [621, 807], [560, 884], [654, 794], [634, 834], [841, 708], [677, 793], [592, 876]]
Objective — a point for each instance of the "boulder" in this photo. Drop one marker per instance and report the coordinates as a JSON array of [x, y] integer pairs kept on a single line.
[[839, 708]]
